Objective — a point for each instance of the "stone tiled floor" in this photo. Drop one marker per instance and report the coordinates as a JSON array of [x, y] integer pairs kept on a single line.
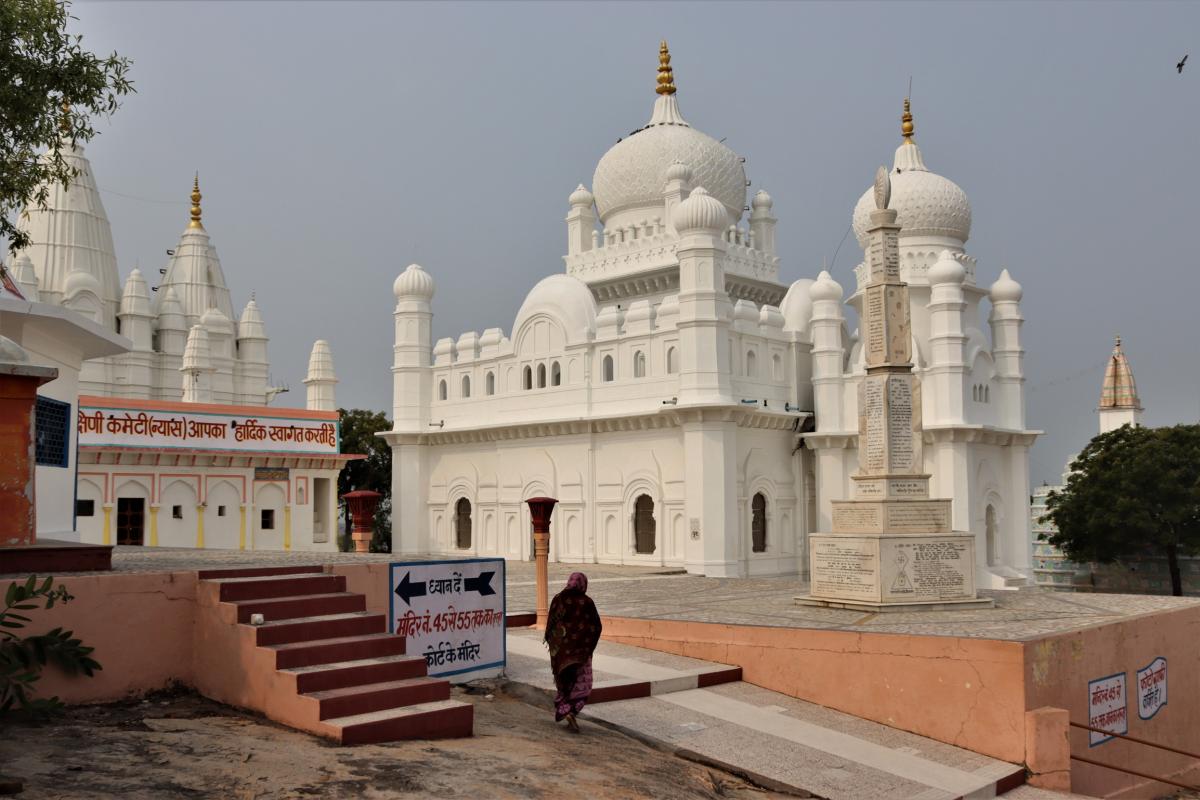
[[656, 593]]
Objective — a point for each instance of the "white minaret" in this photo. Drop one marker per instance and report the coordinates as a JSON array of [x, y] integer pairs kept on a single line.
[[675, 190], [581, 221], [412, 382], [1009, 357], [828, 352], [197, 367], [1119, 403], [321, 379], [944, 382], [252, 363], [137, 325], [762, 224]]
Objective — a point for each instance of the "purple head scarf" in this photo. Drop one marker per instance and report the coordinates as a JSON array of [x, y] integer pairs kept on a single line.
[[577, 581]]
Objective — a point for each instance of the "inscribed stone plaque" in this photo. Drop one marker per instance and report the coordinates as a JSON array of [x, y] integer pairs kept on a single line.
[[872, 488], [916, 516], [844, 567], [872, 425], [857, 517], [928, 568]]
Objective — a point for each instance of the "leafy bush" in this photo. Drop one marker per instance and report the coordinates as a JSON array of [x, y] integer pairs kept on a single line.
[[22, 658]]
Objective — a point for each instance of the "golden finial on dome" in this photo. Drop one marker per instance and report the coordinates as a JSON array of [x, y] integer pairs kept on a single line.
[[195, 223], [666, 78], [906, 123]]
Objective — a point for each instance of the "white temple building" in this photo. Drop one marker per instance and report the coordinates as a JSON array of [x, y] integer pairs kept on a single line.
[[174, 415], [685, 407]]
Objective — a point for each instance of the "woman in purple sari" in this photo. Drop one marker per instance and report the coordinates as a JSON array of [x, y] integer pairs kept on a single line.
[[572, 633]]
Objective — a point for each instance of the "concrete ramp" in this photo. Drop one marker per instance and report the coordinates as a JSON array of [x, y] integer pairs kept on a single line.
[[703, 712]]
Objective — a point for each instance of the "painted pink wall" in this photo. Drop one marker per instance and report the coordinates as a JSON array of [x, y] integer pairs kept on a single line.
[[1058, 668]]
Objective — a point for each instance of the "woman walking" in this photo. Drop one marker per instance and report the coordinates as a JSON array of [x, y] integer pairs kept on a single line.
[[572, 633]]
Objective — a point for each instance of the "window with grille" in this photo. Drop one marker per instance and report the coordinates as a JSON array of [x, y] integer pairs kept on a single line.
[[53, 432]]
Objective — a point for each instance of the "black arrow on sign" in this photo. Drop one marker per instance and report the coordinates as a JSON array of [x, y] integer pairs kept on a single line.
[[409, 589], [482, 584]]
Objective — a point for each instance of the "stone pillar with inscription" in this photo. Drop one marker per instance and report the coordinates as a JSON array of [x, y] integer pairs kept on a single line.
[[891, 547]]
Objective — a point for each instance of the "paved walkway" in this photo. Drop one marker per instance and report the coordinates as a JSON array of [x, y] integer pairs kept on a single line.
[[779, 741]]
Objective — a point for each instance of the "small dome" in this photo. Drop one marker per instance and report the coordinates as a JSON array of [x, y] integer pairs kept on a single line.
[[1005, 289], [413, 283], [762, 200], [826, 288], [946, 269], [745, 311], [214, 321], [196, 352], [797, 306], [135, 299], [581, 196], [700, 211], [320, 363], [679, 171], [80, 281], [771, 317], [250, 326], [565, 298], [926, 203]]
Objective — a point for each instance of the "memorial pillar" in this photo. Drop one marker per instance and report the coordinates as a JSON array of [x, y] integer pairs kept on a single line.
[[540, 509], [362, 510], [891, 545]]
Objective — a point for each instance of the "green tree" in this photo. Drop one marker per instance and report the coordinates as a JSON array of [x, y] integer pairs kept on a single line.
[[1132, 491], [359, 427], [50, 87]]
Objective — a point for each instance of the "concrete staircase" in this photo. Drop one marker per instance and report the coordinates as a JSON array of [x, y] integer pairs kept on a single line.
[[321, 662]]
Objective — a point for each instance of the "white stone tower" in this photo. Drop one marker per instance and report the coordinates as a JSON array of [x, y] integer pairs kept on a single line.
[[197, 367], [321, 378]]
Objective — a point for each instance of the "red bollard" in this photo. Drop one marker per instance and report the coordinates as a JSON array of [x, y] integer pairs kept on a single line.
[[362, 509]]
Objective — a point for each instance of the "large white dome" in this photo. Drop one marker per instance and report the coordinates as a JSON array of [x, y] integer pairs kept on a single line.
[[926, 203], [565, 298], [634, 170]]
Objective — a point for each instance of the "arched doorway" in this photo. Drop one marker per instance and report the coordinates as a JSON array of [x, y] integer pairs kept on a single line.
[[462, 524], [758, 523], [643, 525], [992, 538]]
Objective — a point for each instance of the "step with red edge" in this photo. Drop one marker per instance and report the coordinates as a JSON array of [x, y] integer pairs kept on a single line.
[[339, 674], [257, 572], [347, 648], [304, 605], [279, 586], [442, 719], [325, 626], [351, 700]]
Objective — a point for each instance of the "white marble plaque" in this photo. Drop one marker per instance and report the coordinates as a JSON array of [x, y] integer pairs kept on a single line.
[[927, 568], [916, 516], [900, 424], [850, 516], [872, 488], [844, 567], [872, 425]]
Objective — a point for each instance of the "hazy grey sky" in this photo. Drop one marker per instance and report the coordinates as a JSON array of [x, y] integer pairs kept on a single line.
[[337, 143]]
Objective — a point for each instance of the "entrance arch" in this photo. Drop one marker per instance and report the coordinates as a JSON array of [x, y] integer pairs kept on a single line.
[[644, 527]]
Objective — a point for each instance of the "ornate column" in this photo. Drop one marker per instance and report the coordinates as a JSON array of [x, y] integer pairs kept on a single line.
[[891, 545], [540, 509], [362, 509]]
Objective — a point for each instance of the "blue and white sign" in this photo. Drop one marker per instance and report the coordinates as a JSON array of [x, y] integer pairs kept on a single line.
[[1152, 688], [452, 613]]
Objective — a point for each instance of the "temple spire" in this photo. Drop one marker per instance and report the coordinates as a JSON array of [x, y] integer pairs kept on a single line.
[[666, 77], [906, 122], [1119, 390], [195, 223]]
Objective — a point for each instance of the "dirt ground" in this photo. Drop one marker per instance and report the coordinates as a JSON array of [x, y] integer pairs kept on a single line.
[[180, 745]]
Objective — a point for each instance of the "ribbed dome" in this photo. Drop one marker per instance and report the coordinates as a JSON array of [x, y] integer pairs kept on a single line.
[[633, 172], [250, 326], [320, 363], [700, 211], [136, 298], [565, 298], [926, 203], [414, 282]]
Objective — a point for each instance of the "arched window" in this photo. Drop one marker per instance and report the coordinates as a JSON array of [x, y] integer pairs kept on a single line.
[[991, 536], [489, 383], [607, 371], [639, 364], [555, 374], [541, 376], [643, 525], [975, 393], [466, 386], [462, 524], [672, 367], [528, 377], [987, 394], [777, 367], [441, 390], [751, 364], [758, 523]]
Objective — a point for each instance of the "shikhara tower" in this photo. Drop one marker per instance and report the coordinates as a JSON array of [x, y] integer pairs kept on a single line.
[[685, 406]]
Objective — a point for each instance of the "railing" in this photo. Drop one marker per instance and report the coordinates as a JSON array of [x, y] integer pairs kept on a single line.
[[1135, 740]]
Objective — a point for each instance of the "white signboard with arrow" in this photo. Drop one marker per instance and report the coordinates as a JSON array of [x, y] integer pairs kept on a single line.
[[452, 613]]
